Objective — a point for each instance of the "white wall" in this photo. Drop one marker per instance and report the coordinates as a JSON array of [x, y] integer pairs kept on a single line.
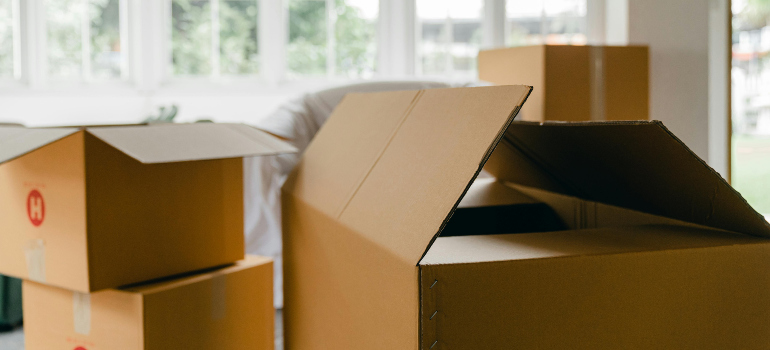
[[95, 107], [677, 32], [688, 66]]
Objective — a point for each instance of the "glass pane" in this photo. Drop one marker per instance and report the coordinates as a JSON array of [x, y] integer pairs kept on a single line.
[[450, 36], [64, 21], [238, 48], [6, 39], [523, 26], [565, 21], [306, 50], [545, 22], [750, 102], [355, 31], [105, 38], [191, 37]]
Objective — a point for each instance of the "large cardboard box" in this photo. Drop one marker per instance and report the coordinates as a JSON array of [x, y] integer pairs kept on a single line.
[[100, 207], [229, 308], [636, 243], [574, 83]]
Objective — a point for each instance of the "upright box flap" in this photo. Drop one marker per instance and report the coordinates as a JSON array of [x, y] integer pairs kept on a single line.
[[165, 143], [18, 141], [635, 165], [396, 164]]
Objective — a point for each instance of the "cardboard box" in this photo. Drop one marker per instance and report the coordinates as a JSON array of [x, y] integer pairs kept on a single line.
[[229, 308], [658, 251], [574, 83], [101, 207]]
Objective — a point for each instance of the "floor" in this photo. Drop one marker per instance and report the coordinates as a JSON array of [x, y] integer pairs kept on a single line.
[[14, 340]]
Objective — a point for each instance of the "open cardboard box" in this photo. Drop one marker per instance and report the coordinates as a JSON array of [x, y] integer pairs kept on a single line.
[[91, 208], [226, 308], [629, 240]]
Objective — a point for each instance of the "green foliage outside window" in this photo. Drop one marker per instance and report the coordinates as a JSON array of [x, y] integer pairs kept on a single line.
[[306, 51], [191, 37], [356, 44], [6, 39], [354, 36], [238, 37]]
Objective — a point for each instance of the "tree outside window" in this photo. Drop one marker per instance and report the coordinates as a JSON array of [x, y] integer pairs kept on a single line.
[[332, 38]]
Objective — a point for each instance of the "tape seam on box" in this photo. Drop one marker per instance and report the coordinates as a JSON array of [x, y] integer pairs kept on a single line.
[[218, 296], [81, 307], [34, 251], [597, 83]]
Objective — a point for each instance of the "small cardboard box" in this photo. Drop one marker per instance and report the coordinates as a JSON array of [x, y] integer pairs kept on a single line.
[[574, 83], [100, 207], [640, 244], [229, 308]]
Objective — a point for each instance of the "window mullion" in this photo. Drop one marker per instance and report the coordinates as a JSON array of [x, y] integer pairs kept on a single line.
[[125, 47], [215, 26], [16, 31], [448, 40], [493, 23], [543, 23], [151, 24], [85, 41], [273, 37], [384, 67], [331, 42], [34, 40]]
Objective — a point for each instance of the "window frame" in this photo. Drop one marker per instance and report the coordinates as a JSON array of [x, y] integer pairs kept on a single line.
[[146, 65]]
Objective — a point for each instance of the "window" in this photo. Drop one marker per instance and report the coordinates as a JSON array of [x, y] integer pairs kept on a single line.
[[545, 22], [87, 40], [214, 37], [751, 105], [449, 36], [332, 38], [83, 39], [9, 40]]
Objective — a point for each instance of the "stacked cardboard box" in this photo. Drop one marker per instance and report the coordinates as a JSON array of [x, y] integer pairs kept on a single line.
[[590, 235], [88, 210], [574, 83]]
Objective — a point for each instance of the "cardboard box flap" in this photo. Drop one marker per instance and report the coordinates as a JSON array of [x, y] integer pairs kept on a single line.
[[408, 165], [18, 141], [635, 165], [165, 143]]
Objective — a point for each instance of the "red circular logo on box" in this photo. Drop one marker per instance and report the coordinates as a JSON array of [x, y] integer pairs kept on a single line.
[[80, 348], [35, 208]]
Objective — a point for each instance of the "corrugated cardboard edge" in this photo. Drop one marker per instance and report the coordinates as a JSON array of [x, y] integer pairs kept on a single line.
[[483, 161]]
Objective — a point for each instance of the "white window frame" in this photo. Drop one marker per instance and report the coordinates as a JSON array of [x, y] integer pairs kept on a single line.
[[30, 52], [146, 34]]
